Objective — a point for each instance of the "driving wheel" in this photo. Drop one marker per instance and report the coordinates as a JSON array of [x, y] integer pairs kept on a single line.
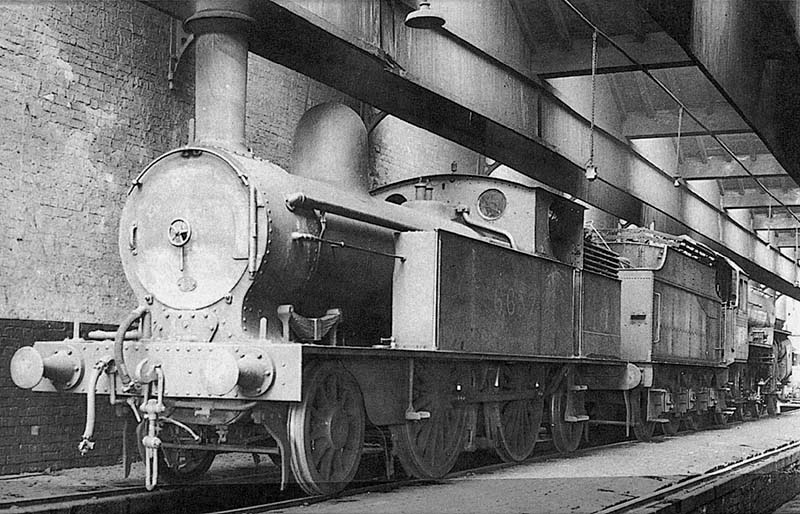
[[326, 429], [429, 446]]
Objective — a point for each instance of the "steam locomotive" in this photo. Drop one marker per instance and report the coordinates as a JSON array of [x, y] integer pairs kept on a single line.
[[284, 313]]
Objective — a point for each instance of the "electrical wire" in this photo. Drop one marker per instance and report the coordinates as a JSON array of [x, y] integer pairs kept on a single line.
[[660, 84], [594, 95], [678, 148]]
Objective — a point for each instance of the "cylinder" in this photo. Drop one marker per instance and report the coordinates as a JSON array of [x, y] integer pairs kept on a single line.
[[220, 75]]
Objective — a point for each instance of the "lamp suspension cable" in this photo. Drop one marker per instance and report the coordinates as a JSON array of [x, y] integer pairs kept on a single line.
[[591, 169], [796, 278], [769, 217], [672, 95], [677, 181]]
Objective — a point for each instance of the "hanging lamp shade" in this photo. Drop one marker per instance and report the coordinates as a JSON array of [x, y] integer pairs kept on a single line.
[[424, 17]]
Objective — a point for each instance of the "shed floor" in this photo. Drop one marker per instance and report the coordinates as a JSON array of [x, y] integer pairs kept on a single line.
[[589, 481]]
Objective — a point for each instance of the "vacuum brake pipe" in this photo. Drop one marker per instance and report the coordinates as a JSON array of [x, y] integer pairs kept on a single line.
[[119, 339], [463, 210], [86, 443]]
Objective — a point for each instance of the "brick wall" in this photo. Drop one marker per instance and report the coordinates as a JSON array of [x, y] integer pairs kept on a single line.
[[277, 97], [84, 105], [40, 430]]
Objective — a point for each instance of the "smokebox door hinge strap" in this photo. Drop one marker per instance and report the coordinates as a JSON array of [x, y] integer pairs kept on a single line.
[[252, 250]]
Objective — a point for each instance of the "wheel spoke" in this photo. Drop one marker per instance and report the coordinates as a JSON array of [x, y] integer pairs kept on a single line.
[[322, 443], [318, 430], [347, 403], [440, 438], [425, 402], [566, 435], [439, 444], [338, 463], [515, 420], [426, 429], [326, 463]]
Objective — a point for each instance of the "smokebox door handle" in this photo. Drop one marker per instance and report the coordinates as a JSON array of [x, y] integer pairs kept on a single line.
[[132, 238]]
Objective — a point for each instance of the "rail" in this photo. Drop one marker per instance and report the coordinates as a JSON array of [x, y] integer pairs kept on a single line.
[[698, 480]]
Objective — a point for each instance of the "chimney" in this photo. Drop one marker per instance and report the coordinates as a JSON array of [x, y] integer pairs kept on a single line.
[[220, 28]]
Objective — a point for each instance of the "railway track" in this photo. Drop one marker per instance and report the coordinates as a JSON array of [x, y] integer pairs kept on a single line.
[[688, 495], [788, 407], [29, 504], [398, 484], [219, 495], [213, 494]]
